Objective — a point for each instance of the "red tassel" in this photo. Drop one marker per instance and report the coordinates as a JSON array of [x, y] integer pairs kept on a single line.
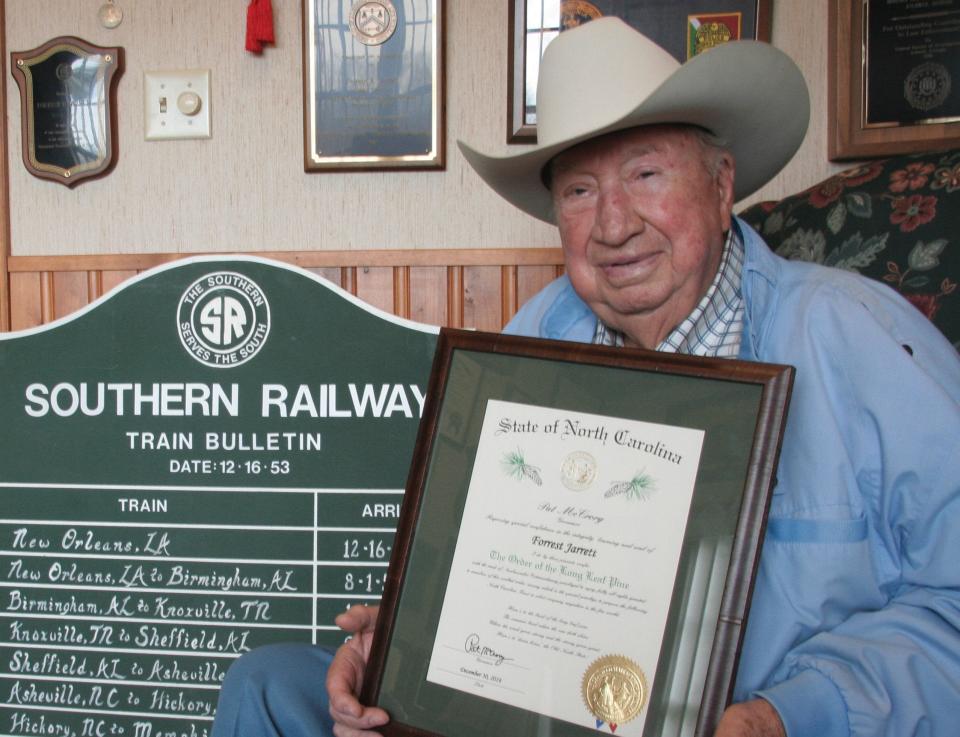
[[252, 44], [259, 25], [265, 22]]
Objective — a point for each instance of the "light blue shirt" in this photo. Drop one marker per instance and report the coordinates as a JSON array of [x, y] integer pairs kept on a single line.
[[854, 627]]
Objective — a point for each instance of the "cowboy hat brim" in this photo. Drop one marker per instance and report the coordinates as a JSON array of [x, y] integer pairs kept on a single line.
[[747, 93]]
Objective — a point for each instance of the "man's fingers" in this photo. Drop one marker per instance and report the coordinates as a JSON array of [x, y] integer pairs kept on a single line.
[[369, 718], [345, 676], [340, 730], [358, 618], [357, 723], [344, 679]]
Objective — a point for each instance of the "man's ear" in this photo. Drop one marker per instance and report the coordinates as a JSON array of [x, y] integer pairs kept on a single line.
[[723, 180]]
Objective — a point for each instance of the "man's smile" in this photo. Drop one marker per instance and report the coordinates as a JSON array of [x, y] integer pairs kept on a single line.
[[630, 268]]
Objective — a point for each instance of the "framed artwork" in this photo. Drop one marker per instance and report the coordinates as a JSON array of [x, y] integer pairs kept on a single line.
[[894, 81], [577, 542], [373, 84], [684, 28]]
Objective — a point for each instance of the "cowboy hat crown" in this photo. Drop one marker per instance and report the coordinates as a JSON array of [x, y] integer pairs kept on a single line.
[[604, 76]]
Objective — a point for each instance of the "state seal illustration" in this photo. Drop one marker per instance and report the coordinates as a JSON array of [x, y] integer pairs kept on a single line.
[[578, 470], [372, 22], [223, 319]]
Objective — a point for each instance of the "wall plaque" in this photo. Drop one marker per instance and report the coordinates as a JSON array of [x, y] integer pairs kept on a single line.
[[911, 69], [68, 110], [209, 459], [893, 82], [373, 84]]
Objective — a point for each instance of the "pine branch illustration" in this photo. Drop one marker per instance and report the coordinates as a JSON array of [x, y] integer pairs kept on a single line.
[[639, 487], [515, 466]]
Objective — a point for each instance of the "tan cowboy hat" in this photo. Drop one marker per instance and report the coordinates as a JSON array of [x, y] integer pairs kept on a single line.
[[604, 76]]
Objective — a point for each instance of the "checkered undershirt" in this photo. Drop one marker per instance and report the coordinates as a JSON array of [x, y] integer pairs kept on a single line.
[[715, 327]]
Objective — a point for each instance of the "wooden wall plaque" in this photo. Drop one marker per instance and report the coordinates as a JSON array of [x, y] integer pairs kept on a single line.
[[68, 108]]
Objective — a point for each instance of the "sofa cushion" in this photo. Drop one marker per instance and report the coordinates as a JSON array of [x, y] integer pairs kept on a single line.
[[896, 220]]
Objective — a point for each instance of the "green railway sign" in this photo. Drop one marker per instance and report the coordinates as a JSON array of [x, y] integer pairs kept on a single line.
[[210, 458]]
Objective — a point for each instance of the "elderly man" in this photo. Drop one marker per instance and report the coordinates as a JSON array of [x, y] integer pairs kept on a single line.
[[854, 627]]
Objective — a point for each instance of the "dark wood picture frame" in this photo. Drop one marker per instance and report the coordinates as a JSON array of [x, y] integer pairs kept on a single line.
[[472, 368], [519, 131], [848, 137], [314, 160]]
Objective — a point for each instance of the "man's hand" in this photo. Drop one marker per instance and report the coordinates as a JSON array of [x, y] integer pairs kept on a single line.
[[345, 676], [756, 718]]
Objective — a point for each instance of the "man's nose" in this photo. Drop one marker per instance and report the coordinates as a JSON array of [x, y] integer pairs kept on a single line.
[[617, 217]]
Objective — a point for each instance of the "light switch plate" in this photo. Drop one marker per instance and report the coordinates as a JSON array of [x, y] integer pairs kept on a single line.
[[162, 116]]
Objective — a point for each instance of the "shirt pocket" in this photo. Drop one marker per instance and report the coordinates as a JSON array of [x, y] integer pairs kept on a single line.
[[793, 530], [822, 567]]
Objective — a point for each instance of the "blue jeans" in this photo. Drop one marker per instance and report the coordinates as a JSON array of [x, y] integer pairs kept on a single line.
[[276, 691]]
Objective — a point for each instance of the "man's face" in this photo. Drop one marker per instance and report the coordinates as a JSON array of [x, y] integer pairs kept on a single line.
[[642, 220]]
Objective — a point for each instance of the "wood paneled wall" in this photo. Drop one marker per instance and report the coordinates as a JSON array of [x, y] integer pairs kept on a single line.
[[467, 288]]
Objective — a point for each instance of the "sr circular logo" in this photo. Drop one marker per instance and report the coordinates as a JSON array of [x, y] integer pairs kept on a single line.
[[223, 319]]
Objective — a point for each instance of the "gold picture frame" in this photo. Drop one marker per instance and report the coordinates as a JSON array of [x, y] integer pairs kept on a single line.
[[373, 85]]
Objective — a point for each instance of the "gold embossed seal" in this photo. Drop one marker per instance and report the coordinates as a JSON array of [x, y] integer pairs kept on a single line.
[[614, 689]]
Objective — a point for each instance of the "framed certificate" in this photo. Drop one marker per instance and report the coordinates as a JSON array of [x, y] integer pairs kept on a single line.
[[685, 28], [577, 542], [894, 85], [373, 85]]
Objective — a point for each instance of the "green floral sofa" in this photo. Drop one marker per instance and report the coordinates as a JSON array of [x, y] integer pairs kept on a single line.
[[896, 220]]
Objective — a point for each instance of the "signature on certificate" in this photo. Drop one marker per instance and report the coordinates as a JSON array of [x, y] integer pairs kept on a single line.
[[484, 654]]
